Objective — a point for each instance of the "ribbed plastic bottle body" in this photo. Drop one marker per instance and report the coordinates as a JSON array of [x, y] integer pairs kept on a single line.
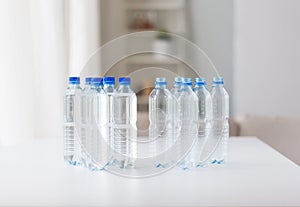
[[109, 90], [124, 125], [159, 111], [205, 110], [176, 92], [188, 111], [202, 148], [85, 128], [220, 125], [72, 148], [161, 126], [98, 147], [176, 133], [188, 116], [176, 89]]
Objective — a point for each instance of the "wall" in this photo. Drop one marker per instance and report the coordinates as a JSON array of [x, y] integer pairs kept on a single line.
[[267, 67], [112, 14], [50, 66], [82, 32], [33, 70], [16, 67], [211, 27]]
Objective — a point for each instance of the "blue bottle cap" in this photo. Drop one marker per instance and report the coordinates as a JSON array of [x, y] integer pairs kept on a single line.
[[178, 80], [88, 80], [109, 80], [200, 81], [187, 81], [74, 80], [218, 81], [96, 81], [161, 81], [124, 81]]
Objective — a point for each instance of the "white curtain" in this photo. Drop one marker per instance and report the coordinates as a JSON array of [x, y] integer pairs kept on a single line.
[[41, 44]]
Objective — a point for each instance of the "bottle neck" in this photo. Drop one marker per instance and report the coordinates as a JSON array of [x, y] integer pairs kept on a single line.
[[162, 86], [218, 86], [109, 86], [74, 86], [199, 86], [124, 86], [186, 87], [177, 85], [95, 86], [87, 86]]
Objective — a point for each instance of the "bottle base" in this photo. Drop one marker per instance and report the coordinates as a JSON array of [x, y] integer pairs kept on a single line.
[[162, 165], [93, 167], [218, 162], [124, 164], [72, 160]]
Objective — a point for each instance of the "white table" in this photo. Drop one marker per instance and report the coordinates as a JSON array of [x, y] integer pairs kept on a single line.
[[34, 174]]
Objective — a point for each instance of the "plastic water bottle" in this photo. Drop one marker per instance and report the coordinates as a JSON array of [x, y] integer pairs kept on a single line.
[[220, 134], [202, 150], [161, 123], [176, 92], [72, 149], [98, 148], [124, 123], [177, 86], [109, 89], [188, 115], [84, 115]]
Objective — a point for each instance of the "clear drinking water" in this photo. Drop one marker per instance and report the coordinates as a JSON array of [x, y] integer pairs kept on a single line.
[[177, 87], [72, 149], [85, 127], [97, 146], [124, 123], [201, 149], [109, 89], [176, 91], [220, 126], [161, 123], [101, 121], [188, 116]]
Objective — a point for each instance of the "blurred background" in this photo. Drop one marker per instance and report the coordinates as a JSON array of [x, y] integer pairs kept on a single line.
[[253, 44]]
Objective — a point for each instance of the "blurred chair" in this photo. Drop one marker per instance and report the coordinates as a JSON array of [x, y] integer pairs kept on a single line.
[[281, 133]]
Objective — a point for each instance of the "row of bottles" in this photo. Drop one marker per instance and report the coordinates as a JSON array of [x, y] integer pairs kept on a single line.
[[187, 124], [100, 123], [193, 118]]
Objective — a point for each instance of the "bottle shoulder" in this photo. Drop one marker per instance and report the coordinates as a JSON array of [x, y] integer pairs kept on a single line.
[[101, 90], [109, 89], [202, 92], [160, 92], [73, 90], [188, 95], [124, 90], [219, 91]]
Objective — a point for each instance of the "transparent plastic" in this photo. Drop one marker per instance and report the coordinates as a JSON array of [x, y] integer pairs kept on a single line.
[[202, 149], [124, 126], [188, 118], [161, 124], [84, 122], [72, 149], [220, 125], [109, 89], [98, 149]]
